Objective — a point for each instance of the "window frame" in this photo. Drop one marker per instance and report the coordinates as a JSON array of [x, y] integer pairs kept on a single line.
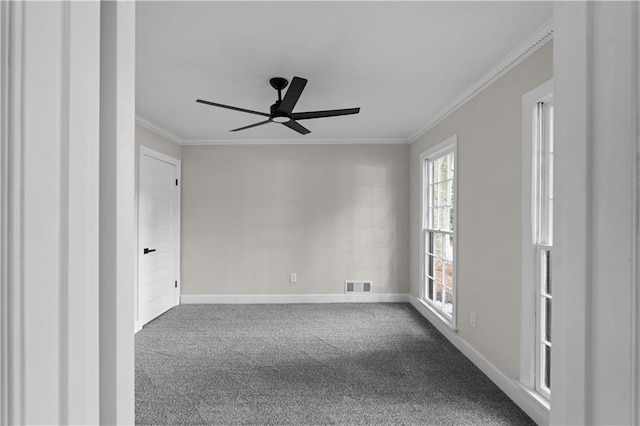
[[449, 145], [531, 254]]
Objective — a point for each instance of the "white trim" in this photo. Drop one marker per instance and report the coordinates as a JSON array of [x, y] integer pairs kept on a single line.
[[296, 141], [12, 279], [49, 154], [527, 402], [448, 145], [517, 55], [293, 298], [4, 208], [144, 150], [571, 324], [528, 298], [635, 415], [147, 124], [80, 289], [592, 367], [117, 212], [159, 130], [441, 148]]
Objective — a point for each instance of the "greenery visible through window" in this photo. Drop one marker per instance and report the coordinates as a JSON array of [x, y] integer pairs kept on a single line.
[[438, 220]]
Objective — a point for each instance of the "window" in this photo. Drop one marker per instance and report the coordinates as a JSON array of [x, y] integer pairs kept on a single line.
[[543, 211], [537, 245], [543, 181], [438, 228]]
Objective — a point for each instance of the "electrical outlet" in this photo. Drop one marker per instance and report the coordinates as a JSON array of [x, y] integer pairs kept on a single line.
[[473, 320], [293, 278]]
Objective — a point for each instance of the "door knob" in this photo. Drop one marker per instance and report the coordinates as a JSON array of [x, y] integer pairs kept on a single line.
[[146, 251]]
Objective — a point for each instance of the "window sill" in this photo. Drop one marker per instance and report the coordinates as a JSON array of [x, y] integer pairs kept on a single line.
[[433, 312], [535, 397]]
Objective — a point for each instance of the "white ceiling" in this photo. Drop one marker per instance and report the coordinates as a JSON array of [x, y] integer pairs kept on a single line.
[[400, 62]]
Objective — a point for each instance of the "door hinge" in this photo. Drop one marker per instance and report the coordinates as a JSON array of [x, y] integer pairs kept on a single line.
[[176, 182], [176, 284]]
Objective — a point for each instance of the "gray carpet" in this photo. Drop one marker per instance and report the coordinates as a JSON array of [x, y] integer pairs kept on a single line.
[[309, 364]]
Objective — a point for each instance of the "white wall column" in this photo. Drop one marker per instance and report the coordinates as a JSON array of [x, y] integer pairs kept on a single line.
[[49, 187], [596, 97], [117, 216]]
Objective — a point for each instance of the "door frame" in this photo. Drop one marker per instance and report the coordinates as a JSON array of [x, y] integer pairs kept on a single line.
[[144, 150]]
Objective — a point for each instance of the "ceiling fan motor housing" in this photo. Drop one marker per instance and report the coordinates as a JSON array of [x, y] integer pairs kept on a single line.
[[278, 116]]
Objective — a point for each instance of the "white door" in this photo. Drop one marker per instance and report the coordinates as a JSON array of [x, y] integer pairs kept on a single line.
[[158, 235]]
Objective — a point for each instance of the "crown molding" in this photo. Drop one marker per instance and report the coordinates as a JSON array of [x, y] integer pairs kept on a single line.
[[296, 141], [159, 130], [517, 55]]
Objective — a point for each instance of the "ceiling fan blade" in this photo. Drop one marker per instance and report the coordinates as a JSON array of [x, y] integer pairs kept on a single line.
[[251, 125], [321, 114], [293, 94], [297, 127], [233, 108]]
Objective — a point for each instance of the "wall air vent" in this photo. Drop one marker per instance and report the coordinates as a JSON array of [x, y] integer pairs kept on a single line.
[[353, 286]]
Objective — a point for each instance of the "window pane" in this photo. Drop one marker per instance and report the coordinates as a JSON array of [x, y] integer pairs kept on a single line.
[[448, 247], [550, 218], [547, 367], [445, 214], [543, 319], [435, 218], [430, 288], [448, 301], [427, 263], [444, 168], [437, 170], [432, 173], [448, 274], [550, 172], [437, 244], [428, 242], [438, 298], [548, 319], [438, 269], [550, 127], [451, 216], [443, 193], [453, 189], [547, 270], [427, 210]]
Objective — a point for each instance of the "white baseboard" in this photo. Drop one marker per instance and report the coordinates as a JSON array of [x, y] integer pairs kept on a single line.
[[294, 298], [509, 386]]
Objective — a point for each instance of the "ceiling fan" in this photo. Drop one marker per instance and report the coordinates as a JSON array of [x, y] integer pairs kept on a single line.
[[282, 110]]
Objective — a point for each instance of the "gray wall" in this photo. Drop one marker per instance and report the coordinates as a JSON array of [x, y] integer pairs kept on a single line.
[[251, 215], [489, 129]]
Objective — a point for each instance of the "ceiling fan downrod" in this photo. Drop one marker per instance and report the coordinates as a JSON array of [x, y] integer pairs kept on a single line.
[[279, 84]]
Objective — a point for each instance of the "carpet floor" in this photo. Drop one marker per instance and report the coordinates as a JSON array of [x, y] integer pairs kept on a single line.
[[310, 364]]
